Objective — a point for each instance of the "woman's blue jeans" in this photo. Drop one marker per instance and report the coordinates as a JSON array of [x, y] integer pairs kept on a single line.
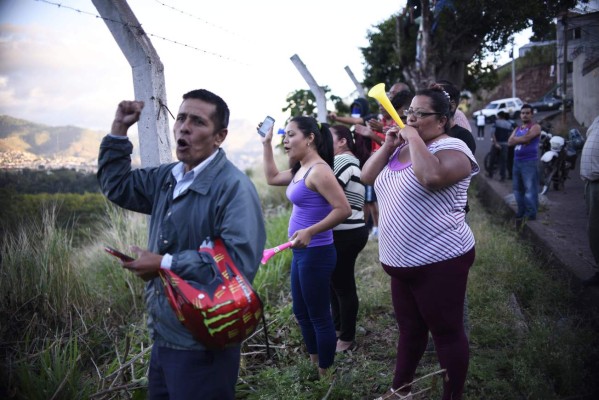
[[311, 271], [525, 182]]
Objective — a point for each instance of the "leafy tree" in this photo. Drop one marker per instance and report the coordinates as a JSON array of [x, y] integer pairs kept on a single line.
[[303, 102], [453, 35], [62, 180]]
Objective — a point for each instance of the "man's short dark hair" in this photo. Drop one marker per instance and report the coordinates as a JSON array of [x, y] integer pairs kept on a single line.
[[503, 115], [526, 105], [221, 115], [402, 99]]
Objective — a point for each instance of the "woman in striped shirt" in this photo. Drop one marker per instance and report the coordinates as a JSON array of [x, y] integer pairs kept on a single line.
[[350, 236], [421, 176]]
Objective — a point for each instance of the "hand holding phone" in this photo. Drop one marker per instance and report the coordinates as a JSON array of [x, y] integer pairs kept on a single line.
[[118, 254], [266, 125]]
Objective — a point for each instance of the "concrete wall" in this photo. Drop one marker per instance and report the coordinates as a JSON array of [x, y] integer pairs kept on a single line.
[[586, 92], [583, 53]]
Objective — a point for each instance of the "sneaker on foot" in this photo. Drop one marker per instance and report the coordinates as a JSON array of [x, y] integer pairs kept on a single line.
[[374, 235]]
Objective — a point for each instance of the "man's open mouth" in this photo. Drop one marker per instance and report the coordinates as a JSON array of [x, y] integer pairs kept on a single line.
[[182, 144]]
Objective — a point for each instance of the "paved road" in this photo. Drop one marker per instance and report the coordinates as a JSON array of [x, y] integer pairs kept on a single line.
[[561, 224]]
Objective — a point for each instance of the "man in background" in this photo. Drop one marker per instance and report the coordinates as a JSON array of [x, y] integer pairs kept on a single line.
[[589, 172], [501, 133], [457, 131], [525, 172]]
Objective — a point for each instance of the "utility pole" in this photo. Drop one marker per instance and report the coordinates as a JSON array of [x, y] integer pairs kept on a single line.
[[148, 79], [358, 85], [513, 70], [317, 91], [565, 67]]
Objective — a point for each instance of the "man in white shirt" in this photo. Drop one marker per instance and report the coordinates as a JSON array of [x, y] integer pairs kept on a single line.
[[589, 172]]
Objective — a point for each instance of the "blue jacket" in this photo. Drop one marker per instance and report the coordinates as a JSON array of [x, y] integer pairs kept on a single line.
[[221, 202]]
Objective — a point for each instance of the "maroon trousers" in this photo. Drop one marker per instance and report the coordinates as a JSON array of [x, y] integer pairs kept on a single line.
[[431, 298]]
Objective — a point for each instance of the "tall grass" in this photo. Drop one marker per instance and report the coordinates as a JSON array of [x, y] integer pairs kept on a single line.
[[44, 297], [40, 279], [65, 309], [73, 324]]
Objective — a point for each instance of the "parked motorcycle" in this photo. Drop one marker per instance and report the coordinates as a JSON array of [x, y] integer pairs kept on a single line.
[[558, 159]]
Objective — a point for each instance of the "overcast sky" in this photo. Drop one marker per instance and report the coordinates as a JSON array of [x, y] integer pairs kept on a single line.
[[63, 67]]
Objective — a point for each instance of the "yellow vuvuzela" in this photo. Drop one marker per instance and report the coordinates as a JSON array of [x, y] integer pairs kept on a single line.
[[378, 92]]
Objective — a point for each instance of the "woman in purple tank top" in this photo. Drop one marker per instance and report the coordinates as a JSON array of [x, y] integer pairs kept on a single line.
[[319, 204]]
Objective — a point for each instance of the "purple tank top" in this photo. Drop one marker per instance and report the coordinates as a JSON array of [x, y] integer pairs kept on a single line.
[[526, 152], [309, 208]]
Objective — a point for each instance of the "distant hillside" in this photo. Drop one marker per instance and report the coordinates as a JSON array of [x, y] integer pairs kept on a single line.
[[531, 83], [37, 141], [46, 141]]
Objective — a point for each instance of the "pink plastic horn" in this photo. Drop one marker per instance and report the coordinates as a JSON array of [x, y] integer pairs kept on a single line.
[[268, 253]]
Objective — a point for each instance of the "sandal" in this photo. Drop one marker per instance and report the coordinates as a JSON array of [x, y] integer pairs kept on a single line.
[[352, 346]]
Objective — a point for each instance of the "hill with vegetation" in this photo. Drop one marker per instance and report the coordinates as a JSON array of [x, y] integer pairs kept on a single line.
[[23, 136], [533, 79], [25, 144]]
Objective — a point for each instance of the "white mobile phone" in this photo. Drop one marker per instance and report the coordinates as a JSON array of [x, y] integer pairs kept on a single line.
[[266, 125]]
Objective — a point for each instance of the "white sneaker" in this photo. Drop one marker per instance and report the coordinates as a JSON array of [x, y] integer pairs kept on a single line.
[[374, 235]]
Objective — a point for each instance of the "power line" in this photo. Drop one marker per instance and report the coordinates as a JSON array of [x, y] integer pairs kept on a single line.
[[143, 32], [195, 17]]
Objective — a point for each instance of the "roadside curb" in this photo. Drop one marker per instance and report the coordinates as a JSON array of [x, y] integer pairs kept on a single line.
[[552, 247]]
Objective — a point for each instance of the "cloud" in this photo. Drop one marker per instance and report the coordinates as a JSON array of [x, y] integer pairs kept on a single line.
[[55, 78], [63, 67]]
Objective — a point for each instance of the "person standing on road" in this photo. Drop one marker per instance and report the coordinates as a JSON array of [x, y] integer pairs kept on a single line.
[[525, 173], [480, 124], [203, 195], [589, 172], [501, 133]]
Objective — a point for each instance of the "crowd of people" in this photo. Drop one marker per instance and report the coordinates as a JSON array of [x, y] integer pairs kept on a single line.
[[362, 176]]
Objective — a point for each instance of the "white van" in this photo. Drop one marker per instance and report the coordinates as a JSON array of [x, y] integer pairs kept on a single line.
[[510, 105]]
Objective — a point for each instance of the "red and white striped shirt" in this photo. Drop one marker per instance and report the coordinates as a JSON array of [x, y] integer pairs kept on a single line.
[[418, 226]]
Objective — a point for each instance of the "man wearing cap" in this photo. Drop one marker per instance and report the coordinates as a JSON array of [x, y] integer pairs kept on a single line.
[[203, 195]]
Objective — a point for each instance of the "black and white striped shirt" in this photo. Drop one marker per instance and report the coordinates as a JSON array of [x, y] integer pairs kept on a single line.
[[347, 171]]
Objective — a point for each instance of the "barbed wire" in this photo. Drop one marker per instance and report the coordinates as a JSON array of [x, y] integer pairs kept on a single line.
[[196, 17], [141, 31]]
